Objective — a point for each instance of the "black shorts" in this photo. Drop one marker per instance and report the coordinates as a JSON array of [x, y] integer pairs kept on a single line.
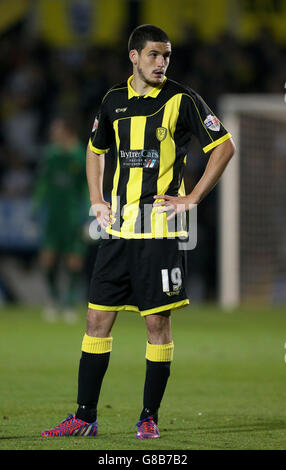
[[145, 276]]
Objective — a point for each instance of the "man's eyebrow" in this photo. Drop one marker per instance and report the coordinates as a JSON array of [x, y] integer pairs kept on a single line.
[[159, 52]]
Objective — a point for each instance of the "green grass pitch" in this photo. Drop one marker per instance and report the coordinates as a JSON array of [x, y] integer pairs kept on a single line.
[[226, 389]]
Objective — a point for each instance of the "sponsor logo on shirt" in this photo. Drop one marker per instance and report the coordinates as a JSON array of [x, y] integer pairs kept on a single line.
[[139, 158]]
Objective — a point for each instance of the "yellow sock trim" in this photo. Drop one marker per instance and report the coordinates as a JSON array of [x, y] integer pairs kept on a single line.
[[94, 345], [160, 352]]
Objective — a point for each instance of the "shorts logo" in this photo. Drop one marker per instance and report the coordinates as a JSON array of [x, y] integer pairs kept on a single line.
[[212, 122], [161, 133], [175, 292]]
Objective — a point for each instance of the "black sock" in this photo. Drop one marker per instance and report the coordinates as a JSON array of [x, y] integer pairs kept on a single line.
[[86, 413], [157, 374], [92, 369]]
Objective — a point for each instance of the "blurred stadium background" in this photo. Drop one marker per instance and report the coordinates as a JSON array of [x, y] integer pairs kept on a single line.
[[62, 55], [227, 389]]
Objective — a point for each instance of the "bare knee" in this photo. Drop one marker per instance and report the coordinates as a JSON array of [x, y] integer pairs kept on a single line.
[[159, 328], [99, 323]]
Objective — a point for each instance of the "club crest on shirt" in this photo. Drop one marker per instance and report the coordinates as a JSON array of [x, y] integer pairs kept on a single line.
[[161, 133], [212, 122]]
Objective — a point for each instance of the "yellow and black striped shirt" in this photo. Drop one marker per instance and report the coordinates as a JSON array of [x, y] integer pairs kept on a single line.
[[151, 134]]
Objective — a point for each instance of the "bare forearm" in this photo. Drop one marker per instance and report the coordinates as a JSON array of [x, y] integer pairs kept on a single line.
[[213, 171], [95, 171]]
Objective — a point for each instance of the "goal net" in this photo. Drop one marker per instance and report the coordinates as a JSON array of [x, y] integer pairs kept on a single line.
[[252, 202]]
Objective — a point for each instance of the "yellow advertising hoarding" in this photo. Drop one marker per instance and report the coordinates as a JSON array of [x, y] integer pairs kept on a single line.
[[69, 23]]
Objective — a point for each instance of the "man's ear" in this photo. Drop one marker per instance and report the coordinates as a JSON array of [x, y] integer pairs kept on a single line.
[[133, 56]]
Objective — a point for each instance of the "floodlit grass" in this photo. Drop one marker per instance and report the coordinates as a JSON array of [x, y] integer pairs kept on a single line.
[[226, 390]]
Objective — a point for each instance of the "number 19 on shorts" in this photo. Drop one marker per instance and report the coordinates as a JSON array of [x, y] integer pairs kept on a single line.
[[174, 276]]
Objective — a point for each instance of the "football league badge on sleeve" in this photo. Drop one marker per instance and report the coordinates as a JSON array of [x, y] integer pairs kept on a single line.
[[212, 122], [161, 133], [95, 124]]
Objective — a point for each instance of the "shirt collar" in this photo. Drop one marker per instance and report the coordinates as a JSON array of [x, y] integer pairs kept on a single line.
[[151, 94]]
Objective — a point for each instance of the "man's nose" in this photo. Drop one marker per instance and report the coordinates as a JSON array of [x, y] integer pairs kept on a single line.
[[160, 61]]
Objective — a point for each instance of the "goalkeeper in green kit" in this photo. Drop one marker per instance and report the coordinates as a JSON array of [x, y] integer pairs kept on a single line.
[[61, 195]]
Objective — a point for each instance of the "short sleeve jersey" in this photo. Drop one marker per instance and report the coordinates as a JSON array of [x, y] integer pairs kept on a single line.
[[151, 134]]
